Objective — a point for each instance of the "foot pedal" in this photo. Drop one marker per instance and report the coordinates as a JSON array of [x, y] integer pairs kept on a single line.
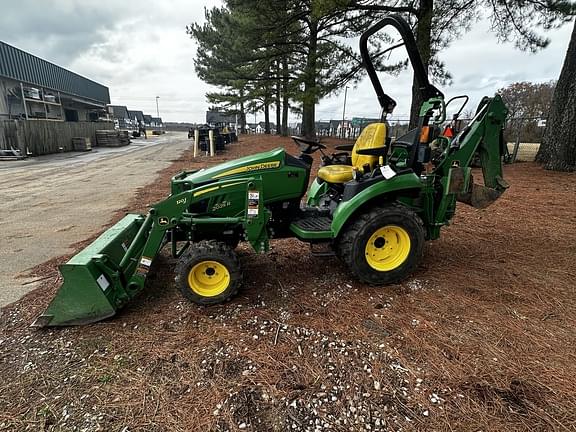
[[325, 251]]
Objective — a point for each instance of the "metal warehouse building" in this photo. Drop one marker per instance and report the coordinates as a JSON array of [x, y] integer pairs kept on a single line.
[[32, 88]]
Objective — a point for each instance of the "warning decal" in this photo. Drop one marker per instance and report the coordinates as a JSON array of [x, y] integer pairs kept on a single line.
[[253, 202]]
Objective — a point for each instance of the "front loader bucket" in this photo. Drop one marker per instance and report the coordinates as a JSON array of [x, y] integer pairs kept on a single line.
[[94, 282]]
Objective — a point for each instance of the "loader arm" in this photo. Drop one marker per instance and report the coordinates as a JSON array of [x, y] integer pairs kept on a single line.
[[172, 212], [112, 270]]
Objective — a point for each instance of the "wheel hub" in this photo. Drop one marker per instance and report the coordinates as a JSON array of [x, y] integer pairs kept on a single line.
[[379, 242], [208, 278], [387, 248]]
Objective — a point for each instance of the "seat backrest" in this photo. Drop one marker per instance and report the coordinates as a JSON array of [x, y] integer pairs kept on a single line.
[[373, 136]]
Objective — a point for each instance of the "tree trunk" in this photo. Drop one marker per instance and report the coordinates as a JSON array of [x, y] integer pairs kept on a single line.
[[558, 149], [423, 42], [242, 119], [309, 100], [267, 114], [285, 97], [278, 101]]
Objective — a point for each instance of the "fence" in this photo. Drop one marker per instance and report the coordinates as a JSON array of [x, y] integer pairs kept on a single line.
[[522, 134], [44, 137]]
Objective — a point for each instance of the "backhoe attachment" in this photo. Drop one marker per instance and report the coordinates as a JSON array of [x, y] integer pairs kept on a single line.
[[483, 136], [480, 196], [112, 270]]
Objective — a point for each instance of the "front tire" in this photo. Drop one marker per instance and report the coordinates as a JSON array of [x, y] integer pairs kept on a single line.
[[384, 245], [208, 273]]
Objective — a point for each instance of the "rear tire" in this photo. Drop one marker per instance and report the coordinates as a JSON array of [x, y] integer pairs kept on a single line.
[[384, 245], [208, 273]]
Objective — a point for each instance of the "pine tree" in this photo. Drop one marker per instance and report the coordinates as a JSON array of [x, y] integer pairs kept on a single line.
[[217, 48], [248, 39]]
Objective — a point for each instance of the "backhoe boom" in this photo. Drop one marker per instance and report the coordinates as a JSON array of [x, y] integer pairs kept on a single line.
[[484, 135]]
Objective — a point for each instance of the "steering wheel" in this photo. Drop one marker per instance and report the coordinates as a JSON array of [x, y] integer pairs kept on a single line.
[[311, 145]]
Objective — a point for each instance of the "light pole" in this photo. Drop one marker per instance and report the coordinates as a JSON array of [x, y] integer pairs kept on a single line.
[[344, 112], [157, 110]]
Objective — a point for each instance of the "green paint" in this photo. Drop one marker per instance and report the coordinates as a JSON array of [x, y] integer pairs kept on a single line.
[[205, 203], [317, 190], [82, 299], [310, 235], [377, 194]]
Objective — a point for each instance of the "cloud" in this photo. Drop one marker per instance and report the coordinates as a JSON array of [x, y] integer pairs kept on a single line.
[[140, 50], [479, 65], [58, 30]]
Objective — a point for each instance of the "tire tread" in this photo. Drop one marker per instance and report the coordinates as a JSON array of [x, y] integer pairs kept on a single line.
[[345, 245], [209, 248]]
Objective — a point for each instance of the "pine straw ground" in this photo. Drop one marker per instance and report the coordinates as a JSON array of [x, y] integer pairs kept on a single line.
[[482, 337]]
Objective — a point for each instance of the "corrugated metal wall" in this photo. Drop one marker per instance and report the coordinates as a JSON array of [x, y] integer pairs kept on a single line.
[[21, 66]]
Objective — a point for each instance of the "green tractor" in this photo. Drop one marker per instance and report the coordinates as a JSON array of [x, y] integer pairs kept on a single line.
[[374, 204]]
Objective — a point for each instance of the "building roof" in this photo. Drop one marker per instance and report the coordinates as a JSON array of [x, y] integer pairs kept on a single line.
[[363, 121], [27, 68], [147, 118], [214, 117], [119, 111], [136, 115], [157, 120]]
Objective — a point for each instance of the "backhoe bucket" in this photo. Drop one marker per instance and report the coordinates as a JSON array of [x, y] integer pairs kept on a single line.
[[94, 283]]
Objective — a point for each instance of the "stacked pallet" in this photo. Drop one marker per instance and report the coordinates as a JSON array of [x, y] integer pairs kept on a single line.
[[11, 154], [81, 144], [112, 138]]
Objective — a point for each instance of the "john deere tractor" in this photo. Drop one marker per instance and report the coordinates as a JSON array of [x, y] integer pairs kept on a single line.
[[374, 204]]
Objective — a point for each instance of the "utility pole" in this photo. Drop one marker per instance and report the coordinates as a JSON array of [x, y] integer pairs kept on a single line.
[[344, 112], [157, 110]]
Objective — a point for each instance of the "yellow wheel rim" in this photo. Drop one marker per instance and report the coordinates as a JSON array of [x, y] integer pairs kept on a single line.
[[387, 248], [208, 278]]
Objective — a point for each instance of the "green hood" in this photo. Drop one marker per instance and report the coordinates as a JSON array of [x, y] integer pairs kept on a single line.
[[272, 159]]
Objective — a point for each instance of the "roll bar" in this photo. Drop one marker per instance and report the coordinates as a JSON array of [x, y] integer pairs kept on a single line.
[[427, 90]]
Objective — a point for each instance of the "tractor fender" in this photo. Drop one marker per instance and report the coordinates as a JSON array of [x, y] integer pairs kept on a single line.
[[317, 190], [377, 194]]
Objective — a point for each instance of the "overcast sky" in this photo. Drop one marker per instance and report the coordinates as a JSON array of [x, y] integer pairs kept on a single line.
[[139, 49]]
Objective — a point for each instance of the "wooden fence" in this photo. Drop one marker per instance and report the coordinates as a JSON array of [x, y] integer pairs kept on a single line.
[[39, 137]]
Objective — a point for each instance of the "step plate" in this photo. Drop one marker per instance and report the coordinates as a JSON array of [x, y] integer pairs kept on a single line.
[[314, 224]]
